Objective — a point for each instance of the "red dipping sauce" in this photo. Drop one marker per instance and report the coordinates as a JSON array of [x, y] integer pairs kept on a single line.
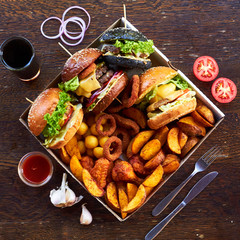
[[35, 169]]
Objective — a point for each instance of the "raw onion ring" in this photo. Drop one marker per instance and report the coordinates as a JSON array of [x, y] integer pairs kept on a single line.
[[112, 148], [63, 27], [109, 131]]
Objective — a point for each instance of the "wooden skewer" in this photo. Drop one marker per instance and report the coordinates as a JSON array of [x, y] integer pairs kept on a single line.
[[29, 100], [64, 48], [125, 16]]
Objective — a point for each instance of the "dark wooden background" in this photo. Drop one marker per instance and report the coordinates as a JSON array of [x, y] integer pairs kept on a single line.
[[183, 31]]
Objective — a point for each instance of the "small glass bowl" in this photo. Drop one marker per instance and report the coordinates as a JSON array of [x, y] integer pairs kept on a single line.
[[22, 162]]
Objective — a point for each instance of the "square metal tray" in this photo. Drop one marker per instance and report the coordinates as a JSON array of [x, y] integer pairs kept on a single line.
[[158, 59]]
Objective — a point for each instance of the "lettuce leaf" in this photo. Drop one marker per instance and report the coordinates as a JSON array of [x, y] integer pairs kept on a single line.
[[52, 128], [137, 47], [142, 106], [70, 85], [179, 82]]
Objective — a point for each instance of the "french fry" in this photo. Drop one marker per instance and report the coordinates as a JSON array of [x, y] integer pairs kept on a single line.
[[150, 149], [91, 184], [154, 178], [140, 140], [76, 168], [172, 140], [137, 201], [64, 155], [72, 147], [131, 190]]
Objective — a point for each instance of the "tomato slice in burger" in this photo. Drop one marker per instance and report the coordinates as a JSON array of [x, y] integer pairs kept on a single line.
[[205, 68], [224, 90]]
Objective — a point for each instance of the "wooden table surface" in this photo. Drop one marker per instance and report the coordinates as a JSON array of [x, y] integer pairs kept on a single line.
[[183, 31]]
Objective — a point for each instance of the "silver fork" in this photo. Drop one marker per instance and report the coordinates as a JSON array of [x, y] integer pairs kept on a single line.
[[202, 164]]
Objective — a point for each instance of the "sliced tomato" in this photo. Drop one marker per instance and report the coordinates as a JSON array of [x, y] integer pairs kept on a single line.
[[224, 90], [69, 114], [205, 68]]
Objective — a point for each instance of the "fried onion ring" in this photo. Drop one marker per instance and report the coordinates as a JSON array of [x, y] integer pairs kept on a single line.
[[112, 148], [130, 94], [108, 128], [127, 124], [124, 136]]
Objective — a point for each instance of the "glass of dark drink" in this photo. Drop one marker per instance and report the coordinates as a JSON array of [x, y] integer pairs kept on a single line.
[[18, 55], [35, 169]]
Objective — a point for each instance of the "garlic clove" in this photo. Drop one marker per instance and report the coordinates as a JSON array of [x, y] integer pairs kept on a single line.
[[86, 217], [64, 196]]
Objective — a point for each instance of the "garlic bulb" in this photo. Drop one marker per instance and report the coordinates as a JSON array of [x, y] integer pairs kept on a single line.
[[64, 196], [86, 217]]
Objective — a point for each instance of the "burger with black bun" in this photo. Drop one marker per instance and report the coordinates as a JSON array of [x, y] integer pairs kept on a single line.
[[86, 74], [164, 96], [127, 48], [54, 117]]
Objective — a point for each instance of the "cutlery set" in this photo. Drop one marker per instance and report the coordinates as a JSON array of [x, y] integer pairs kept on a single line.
[[202, 164]]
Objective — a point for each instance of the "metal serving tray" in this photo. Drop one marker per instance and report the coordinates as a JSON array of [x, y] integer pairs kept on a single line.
[[158, 59]]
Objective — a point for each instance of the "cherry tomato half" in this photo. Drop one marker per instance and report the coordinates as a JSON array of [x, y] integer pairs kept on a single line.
[[224, 90], [205, 68]]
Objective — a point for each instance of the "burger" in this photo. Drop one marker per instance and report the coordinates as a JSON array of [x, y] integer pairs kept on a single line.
[[86, 74], [164, 96], [124, 47], [53, 116]]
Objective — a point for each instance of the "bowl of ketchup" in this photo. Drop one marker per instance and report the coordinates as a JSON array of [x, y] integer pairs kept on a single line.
[[35, 169]]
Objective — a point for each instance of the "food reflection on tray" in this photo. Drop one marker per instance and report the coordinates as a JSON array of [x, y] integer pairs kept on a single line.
[[120, 134]]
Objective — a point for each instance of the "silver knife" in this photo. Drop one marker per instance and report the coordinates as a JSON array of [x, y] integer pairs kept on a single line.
[[196, 189]]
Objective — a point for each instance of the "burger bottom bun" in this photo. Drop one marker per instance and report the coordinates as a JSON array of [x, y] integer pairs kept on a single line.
[[172, 114], [112, 94], [69, 130]]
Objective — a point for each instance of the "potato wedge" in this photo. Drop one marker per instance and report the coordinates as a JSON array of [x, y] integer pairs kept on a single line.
[[91, 184], [76, 167], [200, 119], [64, 155], [131, 190], [129, 152], [205, 112], [112, 196], [191, 142], [171, 163], [161, 134], [154, 178], [190, 127], [172, 140], [155, 161], [140, 140], [150, 149], [72, 148], [137, 201], [135, 114], [148, 190], [122, 198], [182, 138]]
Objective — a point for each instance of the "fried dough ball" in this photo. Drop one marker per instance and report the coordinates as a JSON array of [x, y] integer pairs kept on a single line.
[[82, 129], [91, 141]]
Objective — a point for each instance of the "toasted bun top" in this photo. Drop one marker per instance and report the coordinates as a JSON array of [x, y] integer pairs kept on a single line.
[[115, 90], [78, 62], [46, 102], [153, 77]]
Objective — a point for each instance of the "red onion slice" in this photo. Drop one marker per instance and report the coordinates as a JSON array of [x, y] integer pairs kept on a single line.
[[60, 30], [63, 27]]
